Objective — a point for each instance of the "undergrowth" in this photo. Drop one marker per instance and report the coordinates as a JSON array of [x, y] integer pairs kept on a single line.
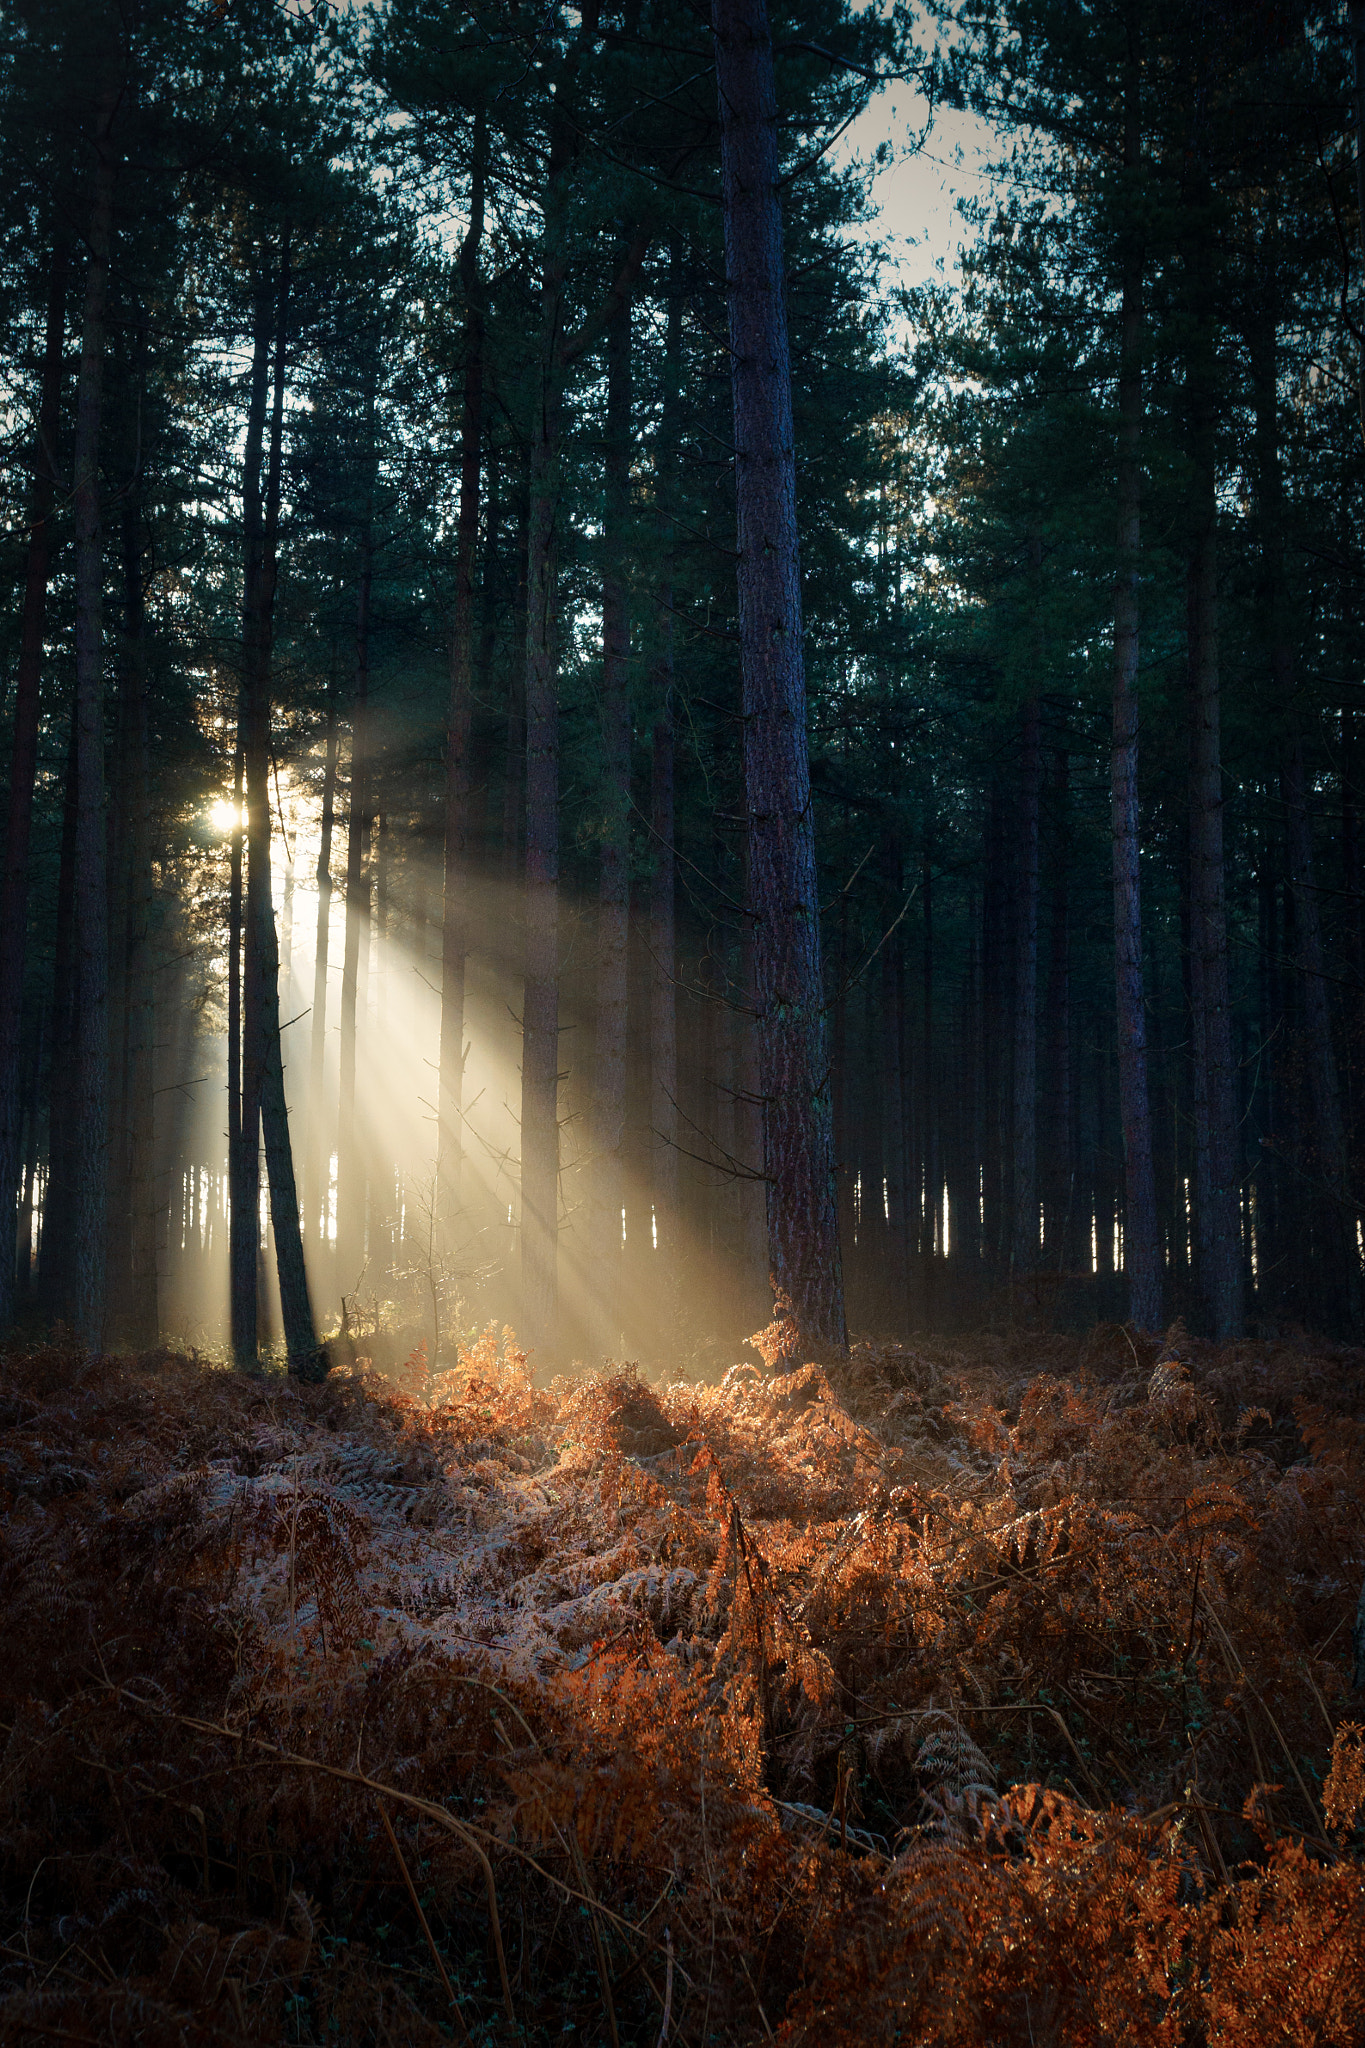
[[993, 1694]]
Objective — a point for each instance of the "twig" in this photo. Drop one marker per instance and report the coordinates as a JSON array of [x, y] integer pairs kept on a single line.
[[668, 1991], [422, 1920]]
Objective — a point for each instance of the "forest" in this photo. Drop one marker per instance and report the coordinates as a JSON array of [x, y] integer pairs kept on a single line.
[[682, 1061]]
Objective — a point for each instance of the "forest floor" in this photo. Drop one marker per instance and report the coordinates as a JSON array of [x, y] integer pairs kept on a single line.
[[993, 1691]]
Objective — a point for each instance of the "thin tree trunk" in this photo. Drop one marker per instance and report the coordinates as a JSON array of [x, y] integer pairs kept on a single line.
[[1024, 1225], [928, 1097], [1057, 1037], [514, 778], [24, 750], [613, 909], [1142, 1238], [350, 1153], [91, 1076], [1215, 1073], [455, 913], [803, 1225], [263, 1060], [318, 1175], [56, 1278], [663, 1001], [136, 1153]]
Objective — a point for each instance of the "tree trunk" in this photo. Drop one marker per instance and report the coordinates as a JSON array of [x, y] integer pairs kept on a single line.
[[1024, 1223], [613, 910], [55, 1274], [245, 1071], [1057, 1178], [1329, 1149], [455, 912], [91, 1073], [663, 1002], [803, 1228], [1142, 1239], [514, 778], [1215, 1073], [350, 1153], [24, 750], [263, 1061], [318, 1176]]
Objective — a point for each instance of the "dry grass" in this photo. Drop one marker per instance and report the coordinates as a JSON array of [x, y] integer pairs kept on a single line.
[[984, 1693]]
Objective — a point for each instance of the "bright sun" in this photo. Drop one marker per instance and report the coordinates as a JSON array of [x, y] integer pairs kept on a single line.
[[223, 814]]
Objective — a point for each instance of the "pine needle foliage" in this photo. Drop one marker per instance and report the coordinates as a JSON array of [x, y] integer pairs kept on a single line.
[[990, 1694]]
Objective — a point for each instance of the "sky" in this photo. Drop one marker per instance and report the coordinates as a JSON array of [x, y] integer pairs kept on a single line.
[[917, 192]]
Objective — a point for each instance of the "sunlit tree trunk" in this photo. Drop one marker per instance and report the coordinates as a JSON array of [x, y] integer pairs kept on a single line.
[[24, 748], [1215, 1097], [803, 1229], [317, 1177], [350, 1152], [514, 775], [455, 912], [1024, 1227], [1142, 1240], [613, 907], [91, 1067], [264, 1103]]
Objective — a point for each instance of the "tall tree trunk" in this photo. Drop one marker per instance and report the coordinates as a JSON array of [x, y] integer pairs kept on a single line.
[[91, 1075], [263, 1093], [1211, 1027], [613, 908], [24, 750], [134, 1189], [350, 1152], [1057, 1180], [1358, 94], [1331, 1161], [803, 1225], [1142, 1239], [663, 1001], [928, 1097], [318, 1177], [514, 777], [455, 913], [245, 1072], [55, 1273], [1024, 1223]]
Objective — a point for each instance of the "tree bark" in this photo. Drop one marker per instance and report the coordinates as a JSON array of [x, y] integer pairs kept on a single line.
[[263, 1060], [455, 912], [24, 749], [1142, 1238], [91, 1073], [803, 1227], [613, 909], [1211, 1028], [246, 1069], [55, 1274], [350, 1153], [318, 1175], [1024, 1225], [663, 1001]]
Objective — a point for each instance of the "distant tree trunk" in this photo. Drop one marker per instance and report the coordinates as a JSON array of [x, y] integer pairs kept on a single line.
[[663, 1003], [896, 1222], [514, 778], [1142, 1237], [56, 1278], [24, 749], [613, 910], [928, 1096], [803, 1227], [318, 1177], [455, 912], [133, 1185], [1211, 1029], [1024, 1225], [91, 1067], [350, 1152], [1057, 1178]]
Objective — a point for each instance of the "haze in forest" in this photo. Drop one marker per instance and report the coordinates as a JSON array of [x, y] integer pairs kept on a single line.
[[518, 813]]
